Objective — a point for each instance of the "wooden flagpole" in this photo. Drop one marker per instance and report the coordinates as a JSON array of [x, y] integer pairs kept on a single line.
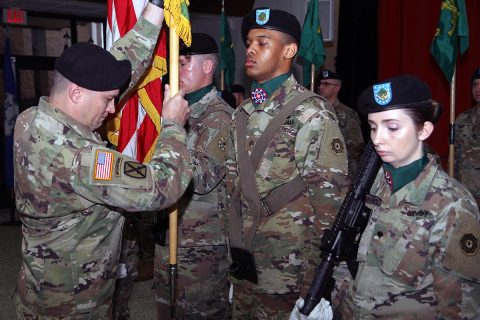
[[173, 211], [451, 138]]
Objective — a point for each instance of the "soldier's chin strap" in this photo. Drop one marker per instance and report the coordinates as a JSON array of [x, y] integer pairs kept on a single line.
[[243, 266]]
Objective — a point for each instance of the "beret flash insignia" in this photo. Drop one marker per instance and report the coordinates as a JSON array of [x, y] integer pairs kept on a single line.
[[382, 93], [262, 16]]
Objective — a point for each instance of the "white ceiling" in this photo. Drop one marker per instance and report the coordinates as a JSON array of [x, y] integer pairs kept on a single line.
[[65, 7]]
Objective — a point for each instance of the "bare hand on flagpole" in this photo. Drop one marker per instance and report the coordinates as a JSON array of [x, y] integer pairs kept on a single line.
[[176, 108]]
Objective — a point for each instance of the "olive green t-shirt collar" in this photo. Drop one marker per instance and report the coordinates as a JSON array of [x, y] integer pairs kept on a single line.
[[195, 96], [397, 178]]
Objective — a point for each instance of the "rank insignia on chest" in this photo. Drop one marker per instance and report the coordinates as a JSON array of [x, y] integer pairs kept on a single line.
[[469, 244], [259, 95], [389, 179], [135, 170], [222, 144], [103, 165]]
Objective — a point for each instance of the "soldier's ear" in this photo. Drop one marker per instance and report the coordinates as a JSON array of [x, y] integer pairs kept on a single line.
[[207, 65], [426, 131], [291, 50], [74, 92]]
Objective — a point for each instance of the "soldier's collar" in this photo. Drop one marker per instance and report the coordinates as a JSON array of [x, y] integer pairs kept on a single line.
[[195, 96], [397, 178], [260, 92]]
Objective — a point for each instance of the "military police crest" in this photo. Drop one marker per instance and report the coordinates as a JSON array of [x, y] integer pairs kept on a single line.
[[382, 93], [469, 244], [337, 145], [262, 16]]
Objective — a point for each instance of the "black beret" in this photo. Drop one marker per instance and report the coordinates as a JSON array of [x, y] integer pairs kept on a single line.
[[399, 92], [202, 43], [266, 18], [93, 67], [327, 74], [475, 75]]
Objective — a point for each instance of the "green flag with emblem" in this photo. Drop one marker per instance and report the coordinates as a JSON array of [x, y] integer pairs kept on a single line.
[[311, 44], [450, 35], [227, 55]]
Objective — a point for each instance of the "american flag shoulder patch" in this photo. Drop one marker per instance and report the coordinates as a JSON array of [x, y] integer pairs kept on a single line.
[[103, 165]]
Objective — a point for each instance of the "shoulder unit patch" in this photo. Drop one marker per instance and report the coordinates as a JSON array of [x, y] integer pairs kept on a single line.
[[135, 170]]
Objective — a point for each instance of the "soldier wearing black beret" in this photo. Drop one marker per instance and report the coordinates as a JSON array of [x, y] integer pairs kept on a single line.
[[202, 284], [273, 254], [329, 86], [72, 190], [467, 143], [83, 60], [424, 226], [401, 92], [271, 19]]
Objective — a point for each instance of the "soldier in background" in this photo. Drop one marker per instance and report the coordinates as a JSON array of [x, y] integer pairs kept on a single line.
[[284, 184], [202, 284], [329, 86], [419, 254], [467, 142], [71, 189]]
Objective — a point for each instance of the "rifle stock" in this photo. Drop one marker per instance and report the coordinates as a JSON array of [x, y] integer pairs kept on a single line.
[[341, 241]]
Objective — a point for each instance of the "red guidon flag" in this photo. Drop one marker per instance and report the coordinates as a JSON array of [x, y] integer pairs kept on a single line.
[[136, 126]]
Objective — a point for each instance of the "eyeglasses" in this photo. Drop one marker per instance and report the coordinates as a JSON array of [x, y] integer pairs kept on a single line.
[[326, 84]]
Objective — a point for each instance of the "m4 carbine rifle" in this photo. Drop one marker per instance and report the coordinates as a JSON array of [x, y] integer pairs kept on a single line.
[[341, 241]]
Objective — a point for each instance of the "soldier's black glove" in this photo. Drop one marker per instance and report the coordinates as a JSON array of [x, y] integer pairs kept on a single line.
[[158, 3]]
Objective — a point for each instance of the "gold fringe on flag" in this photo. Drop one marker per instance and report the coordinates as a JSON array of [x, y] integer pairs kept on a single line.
[[177, 11]]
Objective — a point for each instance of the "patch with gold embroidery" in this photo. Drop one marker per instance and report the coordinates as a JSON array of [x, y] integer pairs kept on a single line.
[[103, 165], [135, 170], [469, 244], [337, 145]]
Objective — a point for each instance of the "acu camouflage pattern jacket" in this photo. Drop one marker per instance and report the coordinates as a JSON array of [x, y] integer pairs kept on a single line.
[[70, 190], [350, 125], [202, 208], [467, 150], [419, 256], [308, 144]]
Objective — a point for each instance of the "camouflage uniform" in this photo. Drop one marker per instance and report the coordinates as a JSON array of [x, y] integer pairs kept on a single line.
[[68, 197], [286, 252], [202, 285], [349, 123], [467, 151], [419, 253]]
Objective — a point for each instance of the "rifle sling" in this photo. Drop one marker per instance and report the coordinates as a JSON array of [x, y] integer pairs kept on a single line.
[[278, 197]]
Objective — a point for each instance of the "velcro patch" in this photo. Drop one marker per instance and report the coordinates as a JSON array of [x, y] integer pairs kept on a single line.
[[462, 255], [337, 145], [103, 165], [135, 170]]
